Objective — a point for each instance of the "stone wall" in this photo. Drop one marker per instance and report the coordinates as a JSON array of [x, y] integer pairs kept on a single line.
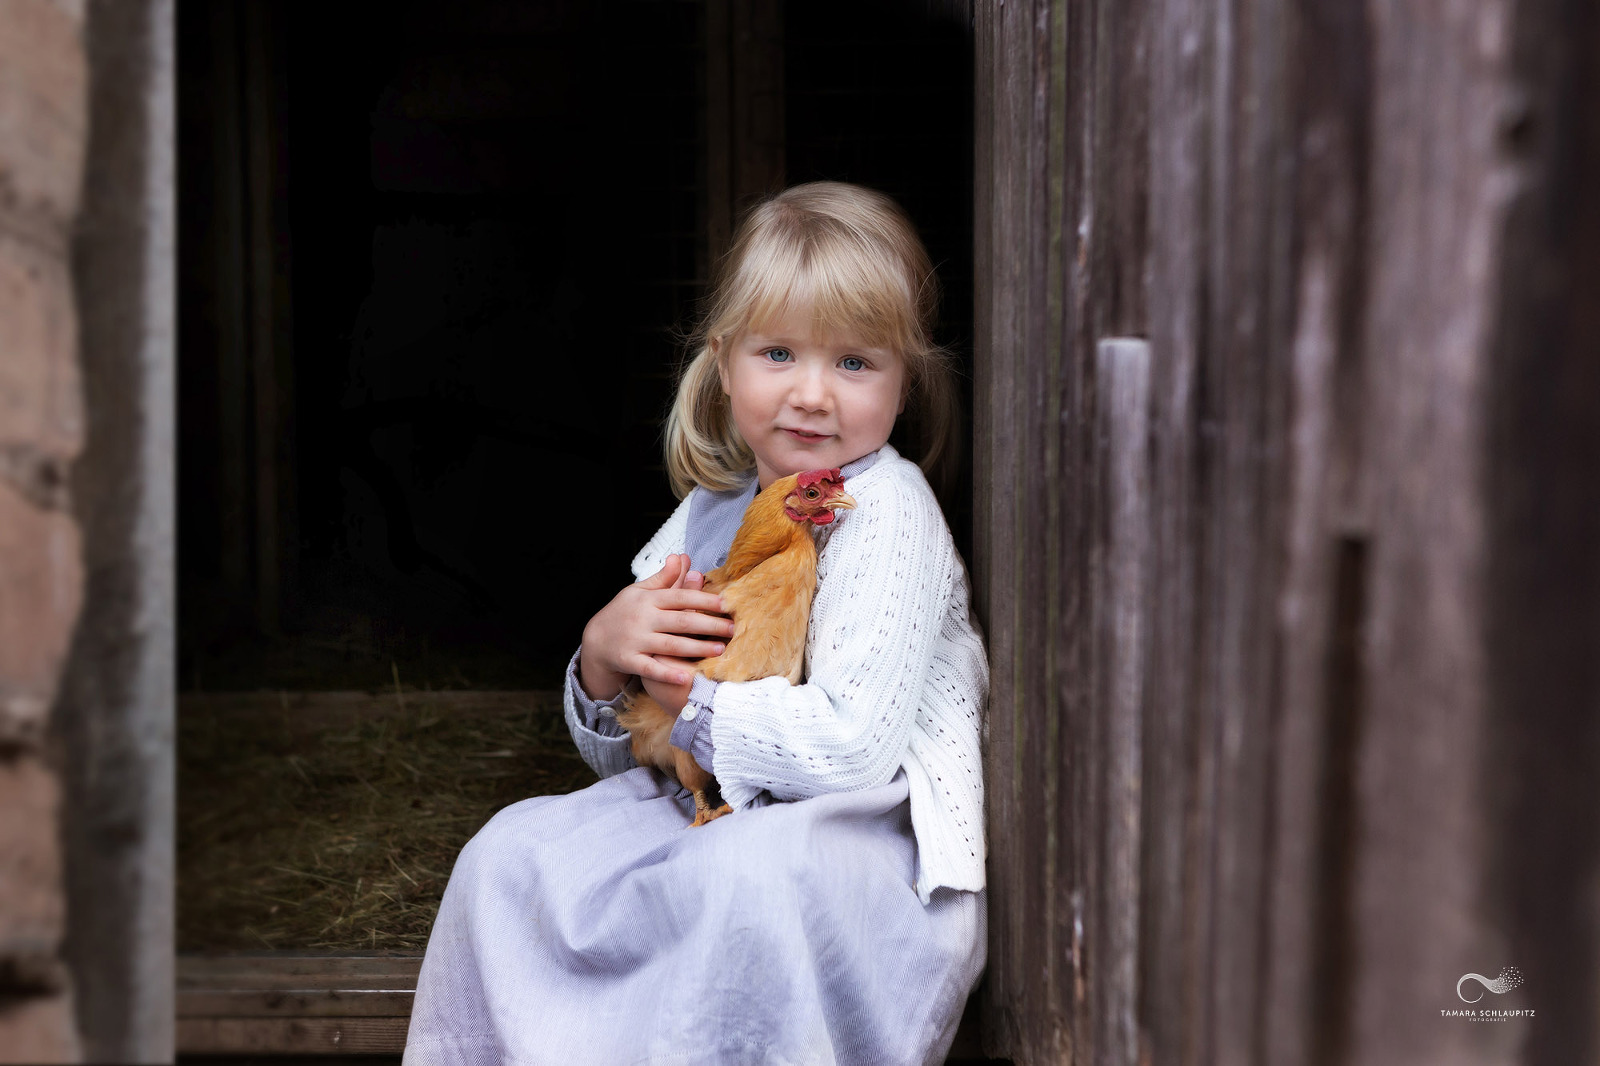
[[43, 123]]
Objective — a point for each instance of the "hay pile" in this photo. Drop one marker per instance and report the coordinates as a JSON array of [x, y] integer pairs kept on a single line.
[[330, 821]]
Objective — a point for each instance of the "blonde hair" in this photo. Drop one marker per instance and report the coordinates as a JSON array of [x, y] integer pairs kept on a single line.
[[852, 256]]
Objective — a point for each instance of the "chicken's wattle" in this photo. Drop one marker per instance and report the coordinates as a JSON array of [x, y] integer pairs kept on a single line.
[[815, 519]]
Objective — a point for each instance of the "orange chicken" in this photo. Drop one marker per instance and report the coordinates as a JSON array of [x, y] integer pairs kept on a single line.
[[766, 586]]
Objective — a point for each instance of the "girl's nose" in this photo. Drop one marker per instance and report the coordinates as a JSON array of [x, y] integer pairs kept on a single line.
[[809, 388]]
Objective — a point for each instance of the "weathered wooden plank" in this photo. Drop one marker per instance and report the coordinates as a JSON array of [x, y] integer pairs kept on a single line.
[[1332, 191], [294, 1004], [280, 970], [1170, 978], [1119, 590], [298, 1002], [1120, 182], [1542, 581], [1419, 915], [1068, 74], [304, 982], [1248, 325], [1321, 605], [299, 1036], [1012, 239], [315, 704]]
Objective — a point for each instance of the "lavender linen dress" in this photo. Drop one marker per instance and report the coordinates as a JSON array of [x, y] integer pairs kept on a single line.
[[596, 928]]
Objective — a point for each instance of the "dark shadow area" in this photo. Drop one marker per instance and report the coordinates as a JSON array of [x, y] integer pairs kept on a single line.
[[435, 263], [492, 225], [433, 258]]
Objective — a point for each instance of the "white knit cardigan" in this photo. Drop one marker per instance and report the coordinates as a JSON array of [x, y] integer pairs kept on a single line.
[[896, 676]]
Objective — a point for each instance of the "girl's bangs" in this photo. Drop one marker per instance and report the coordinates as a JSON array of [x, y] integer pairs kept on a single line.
[[849, 294]]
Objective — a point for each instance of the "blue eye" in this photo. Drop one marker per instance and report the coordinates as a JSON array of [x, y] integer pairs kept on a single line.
[[778, 355], [860, 363]]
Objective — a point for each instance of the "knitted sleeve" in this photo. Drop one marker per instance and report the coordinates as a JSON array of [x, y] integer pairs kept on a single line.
[[884, 580], [669, 540]]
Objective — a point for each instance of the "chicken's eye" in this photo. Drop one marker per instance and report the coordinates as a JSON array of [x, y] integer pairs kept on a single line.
[[812, 493]]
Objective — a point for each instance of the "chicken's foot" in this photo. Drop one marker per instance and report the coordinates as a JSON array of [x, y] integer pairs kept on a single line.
[[703, 811]]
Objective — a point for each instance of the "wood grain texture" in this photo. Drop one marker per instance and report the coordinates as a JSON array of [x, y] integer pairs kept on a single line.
[[289, 1004], [1170, 954], [1361, 241], [1059, 86], [299, 1036], [297, 1003], [1120, 592], [1008, 245], [1542, 579], [287, 970], [1418, 909]]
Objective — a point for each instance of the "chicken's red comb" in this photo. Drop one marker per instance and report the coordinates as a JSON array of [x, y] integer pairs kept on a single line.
[[811, 477]]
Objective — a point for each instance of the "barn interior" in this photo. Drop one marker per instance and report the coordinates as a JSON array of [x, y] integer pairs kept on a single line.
[[437, 260]]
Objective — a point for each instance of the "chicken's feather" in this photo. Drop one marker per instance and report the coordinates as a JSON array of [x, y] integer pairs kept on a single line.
[[766, 585]]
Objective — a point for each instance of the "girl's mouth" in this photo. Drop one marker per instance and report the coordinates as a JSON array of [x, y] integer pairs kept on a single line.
[[797, 435]]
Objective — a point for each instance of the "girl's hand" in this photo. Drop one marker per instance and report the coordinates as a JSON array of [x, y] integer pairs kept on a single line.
[[673, 697], [643, 631]]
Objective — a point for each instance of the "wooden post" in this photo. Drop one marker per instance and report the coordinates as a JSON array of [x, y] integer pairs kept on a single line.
[[270, 322], [744, 112]]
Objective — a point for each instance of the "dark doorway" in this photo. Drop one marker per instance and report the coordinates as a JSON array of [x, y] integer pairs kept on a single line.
[[490, 216], [435, 262]]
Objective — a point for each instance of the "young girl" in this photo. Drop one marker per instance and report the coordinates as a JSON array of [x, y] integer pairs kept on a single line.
[[838, 914]]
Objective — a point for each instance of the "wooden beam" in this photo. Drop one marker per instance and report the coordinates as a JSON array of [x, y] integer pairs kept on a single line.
[[298, 1036], [745, 127], [294, 1004]]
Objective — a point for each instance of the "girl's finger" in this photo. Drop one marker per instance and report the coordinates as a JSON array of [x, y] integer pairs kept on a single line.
[[689, 600], [670, 574], [689, 648], [710, 625], [668, 672]]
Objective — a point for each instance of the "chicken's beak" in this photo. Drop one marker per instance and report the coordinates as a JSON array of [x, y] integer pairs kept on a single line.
[[843, 502]]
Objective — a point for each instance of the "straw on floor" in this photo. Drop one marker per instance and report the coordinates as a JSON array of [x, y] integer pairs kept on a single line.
[[330, 821]]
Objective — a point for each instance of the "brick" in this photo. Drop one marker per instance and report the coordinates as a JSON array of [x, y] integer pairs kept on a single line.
[[72, 9], [23, 717], [41, 590], [44, 80], [38, 1029], [41, 399], [31, 920]]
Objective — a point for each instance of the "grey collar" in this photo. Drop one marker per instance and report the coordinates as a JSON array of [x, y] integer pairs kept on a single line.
[[714, 517]]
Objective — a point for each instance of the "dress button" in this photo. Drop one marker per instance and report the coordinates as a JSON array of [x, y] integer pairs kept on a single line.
[[689, 712]]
